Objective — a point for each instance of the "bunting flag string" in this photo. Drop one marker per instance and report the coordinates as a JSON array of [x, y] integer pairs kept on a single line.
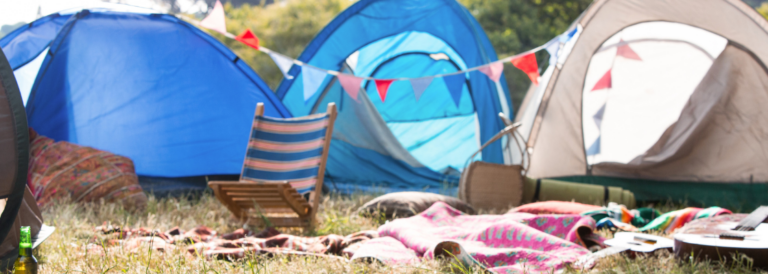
[[282, 62], [249, 39], [216, 19], [493, 70], [455, 84], [553, 48], [604, 82], [382, 86], [312, 78], [527, 63], [315, 76], [598, 117], [625, 51], [350, 84], [419, 85]]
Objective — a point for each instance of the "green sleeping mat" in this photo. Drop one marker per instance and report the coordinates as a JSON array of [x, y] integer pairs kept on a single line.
[[535, 190]]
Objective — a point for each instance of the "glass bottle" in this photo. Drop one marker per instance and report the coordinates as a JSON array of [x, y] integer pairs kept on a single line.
[[26, 262]]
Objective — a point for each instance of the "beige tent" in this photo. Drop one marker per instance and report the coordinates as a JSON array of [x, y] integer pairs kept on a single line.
[[17, 204], [664, 98]]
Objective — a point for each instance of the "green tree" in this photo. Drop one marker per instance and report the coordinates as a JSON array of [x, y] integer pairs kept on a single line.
[[287, 28], [6, 29], [763, 9]]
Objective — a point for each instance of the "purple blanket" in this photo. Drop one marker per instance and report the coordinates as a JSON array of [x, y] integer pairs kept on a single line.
[[510, 243]]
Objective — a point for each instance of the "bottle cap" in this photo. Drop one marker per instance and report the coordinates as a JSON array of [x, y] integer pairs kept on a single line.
[[26, 238]]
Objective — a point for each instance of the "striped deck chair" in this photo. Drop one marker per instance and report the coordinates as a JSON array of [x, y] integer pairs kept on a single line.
[[284, 161]]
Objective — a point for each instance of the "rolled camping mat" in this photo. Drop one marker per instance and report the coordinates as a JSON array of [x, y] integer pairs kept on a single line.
[[535, 190]]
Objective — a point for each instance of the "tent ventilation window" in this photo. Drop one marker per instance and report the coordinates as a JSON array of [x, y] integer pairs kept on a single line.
[[439, 56]]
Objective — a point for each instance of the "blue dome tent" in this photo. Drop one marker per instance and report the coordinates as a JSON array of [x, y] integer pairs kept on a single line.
[[147, 86], [403, 143], [27, 45]]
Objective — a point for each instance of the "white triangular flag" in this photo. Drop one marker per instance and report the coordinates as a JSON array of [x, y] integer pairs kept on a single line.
[[312, 78], [282, 62], [553, 48], [215, 19]]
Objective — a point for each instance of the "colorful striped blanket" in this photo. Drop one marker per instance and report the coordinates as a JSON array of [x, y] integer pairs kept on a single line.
[[670, 221], [647, 219]]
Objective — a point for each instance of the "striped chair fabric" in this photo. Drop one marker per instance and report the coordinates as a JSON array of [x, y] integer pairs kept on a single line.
[[286, 150]]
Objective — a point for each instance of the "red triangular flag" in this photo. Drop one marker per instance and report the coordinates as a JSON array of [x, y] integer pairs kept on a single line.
[[604, 82], [248, 38], [625, 51], [350, 84], [382, 86], [527, 63]]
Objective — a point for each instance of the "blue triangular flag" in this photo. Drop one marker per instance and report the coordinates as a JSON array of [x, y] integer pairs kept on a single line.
[[598, 117], [565, 37], [455, 83], [282, 62], [573, 32], [594, 148], [419, 85], [552, 47], [312, 78]]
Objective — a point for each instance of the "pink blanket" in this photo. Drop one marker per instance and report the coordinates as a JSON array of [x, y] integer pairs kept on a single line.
[[510, 243]]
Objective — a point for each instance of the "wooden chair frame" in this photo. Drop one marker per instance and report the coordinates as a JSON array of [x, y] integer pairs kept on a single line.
[[278, 202]]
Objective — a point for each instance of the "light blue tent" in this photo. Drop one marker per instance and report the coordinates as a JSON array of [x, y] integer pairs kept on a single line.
[[402, 143], [147, 86]]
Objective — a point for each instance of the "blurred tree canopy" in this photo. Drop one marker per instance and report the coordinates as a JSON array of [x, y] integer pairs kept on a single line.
[[512, 26], [763, 9], [6, 29], [285, 27]]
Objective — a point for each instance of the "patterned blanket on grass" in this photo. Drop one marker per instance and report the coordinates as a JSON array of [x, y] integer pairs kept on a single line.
[[205, 242], [509, 243]]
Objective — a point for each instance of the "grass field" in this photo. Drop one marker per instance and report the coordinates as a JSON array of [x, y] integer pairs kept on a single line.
[[65, 251]]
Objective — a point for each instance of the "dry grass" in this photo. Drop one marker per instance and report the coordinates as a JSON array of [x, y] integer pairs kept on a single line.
[[65, 251]]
